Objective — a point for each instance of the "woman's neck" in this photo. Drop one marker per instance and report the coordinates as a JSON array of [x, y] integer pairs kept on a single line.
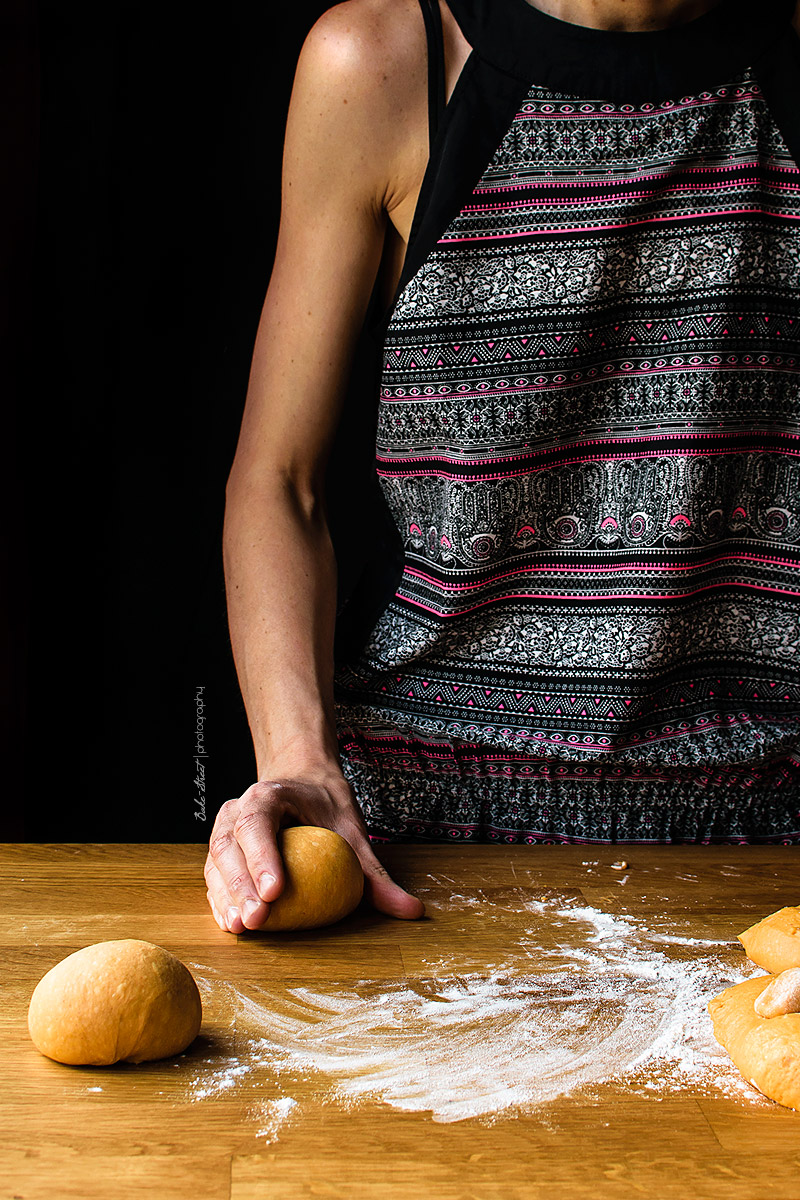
[[626, 15]]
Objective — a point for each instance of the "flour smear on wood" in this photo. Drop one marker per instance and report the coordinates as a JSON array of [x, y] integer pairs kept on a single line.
[[608, 1001]]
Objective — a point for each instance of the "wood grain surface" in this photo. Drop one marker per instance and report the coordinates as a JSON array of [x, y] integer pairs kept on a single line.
[[148, 1130]]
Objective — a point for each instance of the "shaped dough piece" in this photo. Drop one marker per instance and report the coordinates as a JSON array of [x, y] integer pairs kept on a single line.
[[774, 943], [782, 996], [765, 1049], [324, 880], [116, 1001]]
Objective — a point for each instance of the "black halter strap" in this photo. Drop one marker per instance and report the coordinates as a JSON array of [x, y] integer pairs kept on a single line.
[[436, 74], [778, 73]]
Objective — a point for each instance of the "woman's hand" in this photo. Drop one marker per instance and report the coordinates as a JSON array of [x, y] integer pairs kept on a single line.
[[244, 871]]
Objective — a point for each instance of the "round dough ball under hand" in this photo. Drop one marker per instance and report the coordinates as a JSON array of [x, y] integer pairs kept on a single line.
[[765, 1049], [323, 880], [774, 943], [123, 1001]]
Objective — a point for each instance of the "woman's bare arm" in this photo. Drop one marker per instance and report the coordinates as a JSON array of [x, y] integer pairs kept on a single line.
[[355, 152]]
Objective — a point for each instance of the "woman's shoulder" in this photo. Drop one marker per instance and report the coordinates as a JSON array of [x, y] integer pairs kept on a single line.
[[372, 46], [360, 98]]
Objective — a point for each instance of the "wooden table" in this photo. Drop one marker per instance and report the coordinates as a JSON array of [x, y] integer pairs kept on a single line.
[[147, 1131]]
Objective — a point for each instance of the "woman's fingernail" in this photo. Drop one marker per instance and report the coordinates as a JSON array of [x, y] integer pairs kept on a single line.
[[264, 882], [230, 916], [250, 908]]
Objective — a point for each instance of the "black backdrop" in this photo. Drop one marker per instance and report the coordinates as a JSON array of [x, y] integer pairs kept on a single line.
[[144, 144]]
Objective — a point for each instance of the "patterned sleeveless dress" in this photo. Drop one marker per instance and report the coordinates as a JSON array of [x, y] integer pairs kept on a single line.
[[589, 441]]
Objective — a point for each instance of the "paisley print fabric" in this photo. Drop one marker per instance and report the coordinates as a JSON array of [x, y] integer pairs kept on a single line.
[[589, 439]]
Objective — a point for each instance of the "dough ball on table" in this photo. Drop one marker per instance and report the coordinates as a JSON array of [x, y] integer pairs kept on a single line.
[[324, 880], [124, 1001], [774, 943], [765, 1049]]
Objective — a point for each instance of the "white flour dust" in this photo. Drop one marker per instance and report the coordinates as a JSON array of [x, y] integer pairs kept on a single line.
[[271, 1115], [607, 1004]]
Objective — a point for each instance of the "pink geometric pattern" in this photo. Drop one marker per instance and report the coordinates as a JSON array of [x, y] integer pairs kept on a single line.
[[589, 439]]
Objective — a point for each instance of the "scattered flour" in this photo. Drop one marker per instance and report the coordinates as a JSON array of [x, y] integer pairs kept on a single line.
[[607, 1004], [271, 1115], [220, 1082]]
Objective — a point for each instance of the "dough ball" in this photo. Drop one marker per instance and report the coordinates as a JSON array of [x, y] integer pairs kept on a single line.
[[125, 1001], [324, 880], [765, 1049], [774, 943]]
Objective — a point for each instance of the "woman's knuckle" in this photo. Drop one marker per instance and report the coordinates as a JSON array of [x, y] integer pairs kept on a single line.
[[220, 843], [248, 821], [267, 788], [239, 884]]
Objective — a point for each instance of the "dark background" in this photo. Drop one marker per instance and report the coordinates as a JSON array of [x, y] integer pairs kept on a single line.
[[143, 145]]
